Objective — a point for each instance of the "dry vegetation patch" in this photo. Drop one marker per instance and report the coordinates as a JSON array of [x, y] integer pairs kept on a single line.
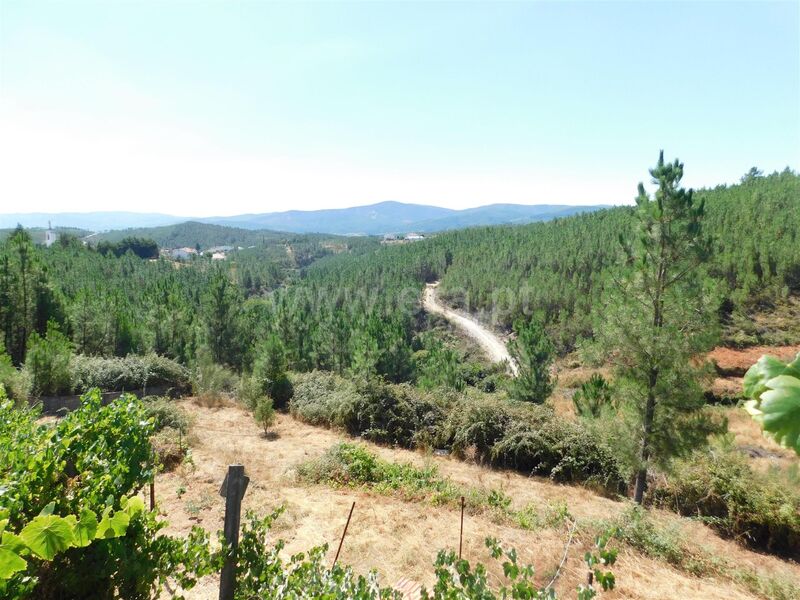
[[399, 538]]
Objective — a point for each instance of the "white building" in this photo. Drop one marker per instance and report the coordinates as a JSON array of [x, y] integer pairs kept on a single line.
[[414, 237], [182, 253], [50, 236]]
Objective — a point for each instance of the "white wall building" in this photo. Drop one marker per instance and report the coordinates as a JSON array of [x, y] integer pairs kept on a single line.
[[50, 236]]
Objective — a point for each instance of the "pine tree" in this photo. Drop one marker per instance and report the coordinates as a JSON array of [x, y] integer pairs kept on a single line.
[[269, 370], [656, 319], [221, 309], [533, 353]]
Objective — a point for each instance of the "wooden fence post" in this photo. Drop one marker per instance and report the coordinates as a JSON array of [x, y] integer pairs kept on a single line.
[[461, 531], [344, 533], [233, 489]]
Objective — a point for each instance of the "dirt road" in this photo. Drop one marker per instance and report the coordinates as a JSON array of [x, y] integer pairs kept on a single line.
[[494, 347]]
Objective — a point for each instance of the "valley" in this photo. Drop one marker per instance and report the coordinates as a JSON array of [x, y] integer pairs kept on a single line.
[[501, 364]]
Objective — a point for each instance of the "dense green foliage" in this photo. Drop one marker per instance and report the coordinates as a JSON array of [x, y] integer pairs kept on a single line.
[[127, 374], [47, 361], [358, 310], [560, 269], [141, 247], [656, 318], [517, 435], [89, 461], [532, 352], [593, 397], [720, 487]]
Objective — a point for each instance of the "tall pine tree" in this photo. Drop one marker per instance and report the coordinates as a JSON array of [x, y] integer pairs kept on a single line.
[[533, 353], [656, 319]]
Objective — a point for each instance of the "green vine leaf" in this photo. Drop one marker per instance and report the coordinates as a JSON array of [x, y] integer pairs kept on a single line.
[[85, 529], [47, 535], [775, 391], [112, 526], [10, 563]]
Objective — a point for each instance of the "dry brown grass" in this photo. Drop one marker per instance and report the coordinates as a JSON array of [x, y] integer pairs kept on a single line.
[[730, 361], [399, 538]]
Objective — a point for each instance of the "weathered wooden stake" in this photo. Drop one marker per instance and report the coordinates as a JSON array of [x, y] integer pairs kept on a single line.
[[152, 494], [344, 533], [461, 533], [232, 490]]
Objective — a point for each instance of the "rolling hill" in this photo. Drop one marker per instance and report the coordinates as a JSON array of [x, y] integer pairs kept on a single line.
[[374, 219]]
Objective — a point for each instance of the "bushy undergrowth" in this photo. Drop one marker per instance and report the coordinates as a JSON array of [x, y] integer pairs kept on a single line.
[[532, 439], [385, 413], [637, 528], [213, 383], [164, 413], [132, 372], [264, 572], [720, 487], [17, 383], [351, 465], [170, 426], [515, 435]]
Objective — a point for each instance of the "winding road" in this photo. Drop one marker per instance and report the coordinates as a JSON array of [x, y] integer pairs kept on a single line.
[[494, 347]]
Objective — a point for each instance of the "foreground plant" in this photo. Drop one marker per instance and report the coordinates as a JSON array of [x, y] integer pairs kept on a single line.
[[774, 391], [47, 535], [262, 573]]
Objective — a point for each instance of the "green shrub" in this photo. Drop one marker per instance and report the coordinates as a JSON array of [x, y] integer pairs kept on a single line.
[[318, 395], [637, 528], [47, 361], [561, 450], [593, 397], [165, 413], [381, 412], [169, 448], [522, 436], [269, 371], [532, 439], [17, 383], [264, 413], [388, 413], [478, 424], [249, 391], [719, 486], [132, 372], [212, 383]]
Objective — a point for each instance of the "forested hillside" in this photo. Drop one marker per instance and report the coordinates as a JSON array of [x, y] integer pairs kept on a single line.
[[558, 270], [331, 330], [360, 308], [205, 235]]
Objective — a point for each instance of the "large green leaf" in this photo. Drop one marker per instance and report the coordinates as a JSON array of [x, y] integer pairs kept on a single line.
[[112, 526], [780, 411], [85, 529], [767, 367], [47, 535], [14, 543], [775, 391], [132, 505], [10, 563]]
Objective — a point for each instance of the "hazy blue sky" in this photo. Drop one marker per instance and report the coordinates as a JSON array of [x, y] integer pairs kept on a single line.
[[201, 108]]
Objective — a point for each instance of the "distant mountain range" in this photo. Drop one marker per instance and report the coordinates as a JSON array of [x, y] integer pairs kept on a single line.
[[375, 219]]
